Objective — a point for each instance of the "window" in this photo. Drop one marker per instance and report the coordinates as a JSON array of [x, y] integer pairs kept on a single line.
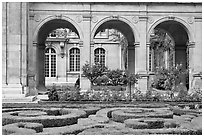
[[162, 52], [50, 62], [99, 56], [74, 56]]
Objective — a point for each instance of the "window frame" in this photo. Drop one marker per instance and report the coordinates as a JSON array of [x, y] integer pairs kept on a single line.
[[74, 59], [52, 66], [101, 56]]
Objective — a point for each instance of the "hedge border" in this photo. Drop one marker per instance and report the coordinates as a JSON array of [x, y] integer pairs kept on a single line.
[[70, 117], [121, 115], [22, 128]]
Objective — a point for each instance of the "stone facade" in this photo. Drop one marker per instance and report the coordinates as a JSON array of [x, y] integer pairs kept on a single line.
[[25, 27]]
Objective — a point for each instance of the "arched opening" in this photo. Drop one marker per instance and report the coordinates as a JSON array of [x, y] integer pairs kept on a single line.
[[174, 35], [53, 59], [117, 38]]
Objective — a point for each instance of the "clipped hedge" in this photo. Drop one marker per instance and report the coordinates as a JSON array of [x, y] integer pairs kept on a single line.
[[65, 117], [22, 128], [130, 131], [150, 123], [170, 123], [91, 110], [135, 124], [123, 114]]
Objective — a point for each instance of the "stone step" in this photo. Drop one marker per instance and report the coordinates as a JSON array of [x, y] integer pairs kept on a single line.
[[18, 99]]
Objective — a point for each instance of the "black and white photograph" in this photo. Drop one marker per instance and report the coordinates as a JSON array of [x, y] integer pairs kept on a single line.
[[101, 67]]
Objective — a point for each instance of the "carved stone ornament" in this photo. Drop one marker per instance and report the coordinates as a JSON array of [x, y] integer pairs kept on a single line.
[[115, 17], [58, 16], [150, 20], [37, 18], [190, 20], [94, 19], [79, 19], [135, 19], [171, 17]]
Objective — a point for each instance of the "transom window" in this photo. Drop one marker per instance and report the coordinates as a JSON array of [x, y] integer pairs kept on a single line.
[[50, 62], [74, 64], [99, 56]]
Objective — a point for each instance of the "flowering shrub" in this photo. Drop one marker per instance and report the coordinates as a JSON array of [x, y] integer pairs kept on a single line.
[[116, 77], [167, 78], [100, 75], [106, 95], [52, 94], [195, 95], [92, 72]]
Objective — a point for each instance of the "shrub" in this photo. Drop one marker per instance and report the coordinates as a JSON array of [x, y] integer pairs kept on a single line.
[[22, 128], [102, 80], [116, 77], [135, 124], [130, 78], [52, 94], [195, 95], [73, 95], [92, 72], [165, 79]]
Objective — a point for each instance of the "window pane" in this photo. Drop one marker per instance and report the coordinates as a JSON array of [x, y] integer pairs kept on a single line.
[[50, 57], [99, 56], [74, 59]]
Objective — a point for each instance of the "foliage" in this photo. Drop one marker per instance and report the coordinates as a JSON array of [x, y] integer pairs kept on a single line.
[[131, 78], [101, 75], [195, 95], [52, 94], [73, 95], [111, 88], [167, 78], [116, 77], [161, 41], [102, 80], [106, 95], [92, 72]]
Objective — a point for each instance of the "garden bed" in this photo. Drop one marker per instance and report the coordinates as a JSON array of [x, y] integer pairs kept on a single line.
[[100, 119]]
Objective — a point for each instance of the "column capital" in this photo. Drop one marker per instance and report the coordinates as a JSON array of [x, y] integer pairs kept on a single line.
[[92, 43], [136, 44], [87, 17], [35, 43], [81, 43], [143, 18], [191, 44], [148, 44]]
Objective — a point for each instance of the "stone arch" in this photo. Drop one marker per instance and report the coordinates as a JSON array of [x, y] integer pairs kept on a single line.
[[182, 22], [177, 27], [40, 34], [119, 18], [128, 29], [50, 18]]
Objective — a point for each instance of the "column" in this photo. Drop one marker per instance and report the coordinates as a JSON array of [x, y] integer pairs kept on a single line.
[[40, 77], [24, 45], [142, 57], [92, 52], [191, 47], [12, 49], [86, 49], [32, 66]]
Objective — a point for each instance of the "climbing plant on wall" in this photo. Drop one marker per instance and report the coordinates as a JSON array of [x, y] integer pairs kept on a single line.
[[162, 49]]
